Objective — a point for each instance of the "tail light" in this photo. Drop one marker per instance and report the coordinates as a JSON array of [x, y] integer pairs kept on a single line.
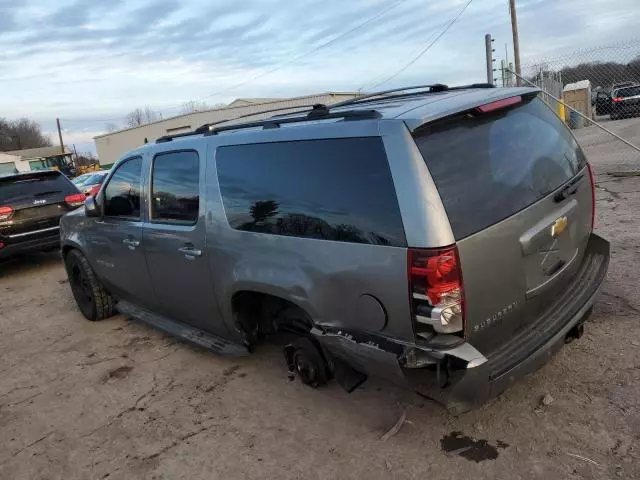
[[94, 191], [5, 213], [435, 289], [75, 200], [499, 104], [593, 195], [617, 99]]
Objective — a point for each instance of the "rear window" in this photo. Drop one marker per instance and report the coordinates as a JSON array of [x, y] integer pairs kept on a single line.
[[628, 92], [331, 189], [19, 187], [488, 167]]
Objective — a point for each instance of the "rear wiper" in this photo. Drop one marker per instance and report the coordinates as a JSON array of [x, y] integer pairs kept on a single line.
[[569, 189]]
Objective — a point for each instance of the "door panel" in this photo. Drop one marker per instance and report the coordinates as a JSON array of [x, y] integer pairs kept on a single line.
[[116, 248], [115, 240], [174, 242]]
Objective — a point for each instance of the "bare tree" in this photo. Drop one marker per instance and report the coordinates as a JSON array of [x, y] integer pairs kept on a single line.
[[111, 127], [141, 116], [20, 134], [194, 106]]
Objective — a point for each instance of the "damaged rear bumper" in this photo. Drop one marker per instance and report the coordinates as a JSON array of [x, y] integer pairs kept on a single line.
[[458, 375]]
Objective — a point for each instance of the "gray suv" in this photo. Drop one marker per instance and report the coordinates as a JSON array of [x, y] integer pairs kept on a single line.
[[439, 237]]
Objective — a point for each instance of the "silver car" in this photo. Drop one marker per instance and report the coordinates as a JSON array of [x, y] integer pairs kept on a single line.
[[439, 237]]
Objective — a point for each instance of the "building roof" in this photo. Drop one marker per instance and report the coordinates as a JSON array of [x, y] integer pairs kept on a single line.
[[41, 152], [239, 102], [6, 158]]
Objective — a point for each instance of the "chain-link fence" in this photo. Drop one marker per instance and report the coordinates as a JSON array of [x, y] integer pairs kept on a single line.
[[593, 91]]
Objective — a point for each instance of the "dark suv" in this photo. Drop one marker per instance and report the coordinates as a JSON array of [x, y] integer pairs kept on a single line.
[[438, 237], [625, 102], [31, 205]]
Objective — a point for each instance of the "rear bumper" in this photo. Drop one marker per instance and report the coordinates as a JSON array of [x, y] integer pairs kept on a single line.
[[27, 244], [461, 377], [527, 352]]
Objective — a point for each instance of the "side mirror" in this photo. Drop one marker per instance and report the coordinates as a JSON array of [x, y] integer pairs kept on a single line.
[[91, 208]]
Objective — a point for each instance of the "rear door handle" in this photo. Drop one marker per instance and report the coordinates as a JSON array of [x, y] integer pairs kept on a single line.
[[190, 252], [132, 243]]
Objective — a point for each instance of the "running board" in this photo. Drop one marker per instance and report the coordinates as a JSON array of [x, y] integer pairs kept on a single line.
[[185, 332]]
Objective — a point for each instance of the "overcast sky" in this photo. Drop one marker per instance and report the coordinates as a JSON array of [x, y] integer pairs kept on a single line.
[[91, 62]]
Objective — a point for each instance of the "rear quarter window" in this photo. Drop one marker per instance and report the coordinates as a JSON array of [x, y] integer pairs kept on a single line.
[[332, 189], [489, 167]]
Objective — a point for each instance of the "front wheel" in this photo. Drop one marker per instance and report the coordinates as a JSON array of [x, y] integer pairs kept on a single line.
[[93, 300]]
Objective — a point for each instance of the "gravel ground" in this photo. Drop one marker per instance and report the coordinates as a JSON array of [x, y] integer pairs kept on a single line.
[[116, 399]]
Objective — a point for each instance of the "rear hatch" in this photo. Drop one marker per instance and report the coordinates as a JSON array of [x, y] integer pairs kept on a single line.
[[31, 204], [518, 194], [627, 98]]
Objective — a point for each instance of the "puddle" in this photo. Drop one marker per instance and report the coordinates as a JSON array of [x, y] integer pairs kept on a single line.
[[474, 450]]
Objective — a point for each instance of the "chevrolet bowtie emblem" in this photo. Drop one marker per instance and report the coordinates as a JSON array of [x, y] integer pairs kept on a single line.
[[559, 226]]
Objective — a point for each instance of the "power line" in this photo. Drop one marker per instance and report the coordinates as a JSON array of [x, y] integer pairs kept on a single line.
[[427, 48], [313, 50], [295, 59]]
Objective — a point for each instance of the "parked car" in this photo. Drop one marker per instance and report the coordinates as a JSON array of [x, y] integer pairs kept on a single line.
[[603, 103], [625, 102], [438, 237], [31, 205], [90, 183]]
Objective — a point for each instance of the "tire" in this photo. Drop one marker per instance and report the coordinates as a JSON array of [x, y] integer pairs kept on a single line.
[[92, 299]]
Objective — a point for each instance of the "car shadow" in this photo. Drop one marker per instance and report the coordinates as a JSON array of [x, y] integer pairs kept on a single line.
[[28, 263]]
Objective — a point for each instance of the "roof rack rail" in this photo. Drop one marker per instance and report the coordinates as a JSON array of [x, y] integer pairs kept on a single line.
[[317, 112], [205, 128], [320, 113], [432, 88]]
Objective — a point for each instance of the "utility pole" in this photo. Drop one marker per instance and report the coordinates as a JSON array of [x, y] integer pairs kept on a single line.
[[60, 136], [516, 40], [488, 45]]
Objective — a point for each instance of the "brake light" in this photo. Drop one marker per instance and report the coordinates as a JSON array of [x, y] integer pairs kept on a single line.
[[435, 283], [592, 178], [5, 213], [617, 99], [75, 200], [499, 104], [94, 191]]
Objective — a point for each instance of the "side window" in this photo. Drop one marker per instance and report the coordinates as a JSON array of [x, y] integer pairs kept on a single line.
[[335, 189], [175, 187], [122, 194]]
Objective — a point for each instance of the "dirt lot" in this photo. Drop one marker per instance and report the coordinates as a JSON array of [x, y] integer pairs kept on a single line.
[[116, 399]]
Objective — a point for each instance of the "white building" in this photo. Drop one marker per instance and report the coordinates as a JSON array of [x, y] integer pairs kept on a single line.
[[32, 159], [111, 146]]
